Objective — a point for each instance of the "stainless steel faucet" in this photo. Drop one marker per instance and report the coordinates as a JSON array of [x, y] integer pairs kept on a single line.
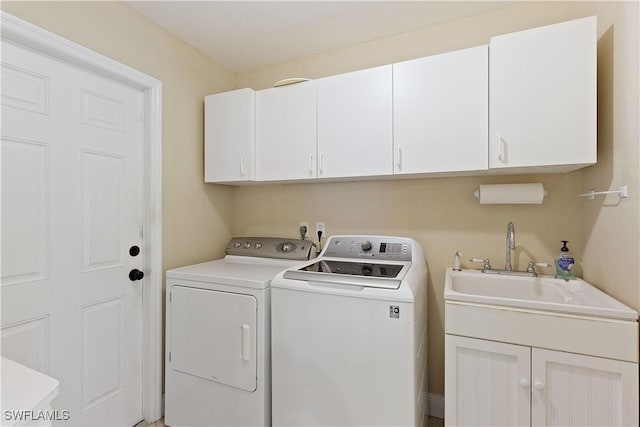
[[511, 245]]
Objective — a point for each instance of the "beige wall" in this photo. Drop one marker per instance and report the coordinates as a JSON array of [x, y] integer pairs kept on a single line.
[[441, 213], [610, 227], [197, 217]]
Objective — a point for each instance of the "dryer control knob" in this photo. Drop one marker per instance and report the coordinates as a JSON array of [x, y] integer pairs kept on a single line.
[[247, 245], [286, 247], [366, 246]]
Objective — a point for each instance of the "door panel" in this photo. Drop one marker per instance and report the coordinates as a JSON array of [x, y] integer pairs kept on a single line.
[[213, 336], [28, 341], [102, 203], [576, 390], [487, 383], [71, 207], [25, 162]]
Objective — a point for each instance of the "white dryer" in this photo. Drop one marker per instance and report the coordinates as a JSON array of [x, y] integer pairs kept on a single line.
[[217, 370], [349, 336]]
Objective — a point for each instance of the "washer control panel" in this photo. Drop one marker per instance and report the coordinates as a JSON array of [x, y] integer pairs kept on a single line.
[[379, 247], [271, 247]]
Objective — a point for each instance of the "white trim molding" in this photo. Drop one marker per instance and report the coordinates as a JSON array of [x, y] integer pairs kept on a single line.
[[434, 405], [23, 33]]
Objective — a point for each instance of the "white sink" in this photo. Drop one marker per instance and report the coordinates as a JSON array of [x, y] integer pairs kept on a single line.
[[534, 293]]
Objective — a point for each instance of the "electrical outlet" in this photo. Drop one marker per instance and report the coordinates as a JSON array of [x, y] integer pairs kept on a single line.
[[304, 224], [320, 226]]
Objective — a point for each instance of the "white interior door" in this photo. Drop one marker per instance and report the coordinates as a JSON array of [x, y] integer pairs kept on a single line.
[[71, 209]]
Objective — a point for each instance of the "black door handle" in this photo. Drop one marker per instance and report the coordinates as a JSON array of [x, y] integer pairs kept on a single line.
[[136, 274]]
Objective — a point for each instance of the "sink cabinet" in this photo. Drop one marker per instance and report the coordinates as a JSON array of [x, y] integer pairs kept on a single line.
[[492, 383], [542, 98]]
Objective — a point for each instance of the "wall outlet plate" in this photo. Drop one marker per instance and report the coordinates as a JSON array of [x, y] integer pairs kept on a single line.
[[304, 224]]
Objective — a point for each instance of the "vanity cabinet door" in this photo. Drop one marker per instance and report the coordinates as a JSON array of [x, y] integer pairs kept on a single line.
[[487, 383], [440, 112], [355, 122], [286, 132], [575, 390], [542, 97], [229, 136]]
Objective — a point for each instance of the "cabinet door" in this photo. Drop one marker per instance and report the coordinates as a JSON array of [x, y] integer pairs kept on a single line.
[[355, 124], [440, 112], [542, 97], [229, 136], [575, 390], [286, 120], [486, 383]]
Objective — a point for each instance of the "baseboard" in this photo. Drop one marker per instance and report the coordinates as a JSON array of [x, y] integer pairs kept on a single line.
[[434, 405]]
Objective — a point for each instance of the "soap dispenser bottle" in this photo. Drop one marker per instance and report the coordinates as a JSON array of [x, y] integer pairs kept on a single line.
[[564, 263]]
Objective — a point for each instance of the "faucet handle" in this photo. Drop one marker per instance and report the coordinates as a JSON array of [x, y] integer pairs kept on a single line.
[[486, 265], [531, 267]]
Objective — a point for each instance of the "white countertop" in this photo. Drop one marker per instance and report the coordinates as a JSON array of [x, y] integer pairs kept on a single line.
[[24, 389]]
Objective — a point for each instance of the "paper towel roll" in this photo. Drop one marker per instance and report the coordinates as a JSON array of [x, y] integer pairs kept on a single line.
[[506, 194]]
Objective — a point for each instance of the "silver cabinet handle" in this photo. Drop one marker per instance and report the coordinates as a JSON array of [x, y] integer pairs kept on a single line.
[[502, 149]]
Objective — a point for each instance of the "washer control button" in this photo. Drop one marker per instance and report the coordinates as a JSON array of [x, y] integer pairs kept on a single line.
[[366, 246], [258, 245], [237, 245], [247, 245]]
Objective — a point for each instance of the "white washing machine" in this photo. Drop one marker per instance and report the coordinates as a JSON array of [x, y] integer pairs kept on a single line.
[[349, 336], [217, 365]]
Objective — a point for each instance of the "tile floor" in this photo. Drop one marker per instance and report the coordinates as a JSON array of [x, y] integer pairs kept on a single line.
[[433, 422]]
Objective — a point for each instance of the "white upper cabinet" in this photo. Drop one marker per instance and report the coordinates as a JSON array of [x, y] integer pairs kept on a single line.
[[286, 132], [542, 92], [440, 112], [528, 105], [229, 136], [355, 124]]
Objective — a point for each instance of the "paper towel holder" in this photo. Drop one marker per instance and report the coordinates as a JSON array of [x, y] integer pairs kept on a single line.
[[516, 187]]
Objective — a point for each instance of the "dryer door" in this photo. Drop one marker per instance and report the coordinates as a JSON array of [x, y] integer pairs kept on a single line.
[[213, 336]]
